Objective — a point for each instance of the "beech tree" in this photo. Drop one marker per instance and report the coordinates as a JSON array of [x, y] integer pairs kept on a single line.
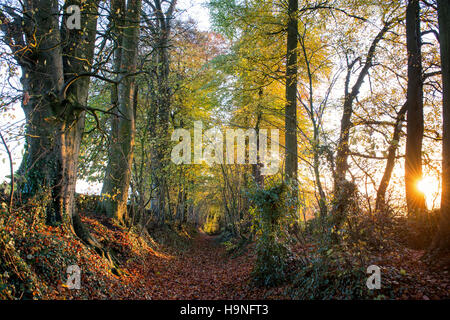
[[160, 25], [342, 189], [118, 172], [415, 128], [291, 165], [390, 163], [56, 62], [442, 239]]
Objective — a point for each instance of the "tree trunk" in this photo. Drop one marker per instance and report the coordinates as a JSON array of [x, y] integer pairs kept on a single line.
[[256, 168], [442, 239], [162, 96], [392, 151], [316, 166], [344, 190], [54, 102], [43, 80], [350, 96], [116, 26], [415, 128], [291, 161], [315, 143], [116, 184], [55, 109]]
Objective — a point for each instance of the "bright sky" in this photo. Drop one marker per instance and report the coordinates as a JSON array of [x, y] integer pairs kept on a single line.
[[196, 10]]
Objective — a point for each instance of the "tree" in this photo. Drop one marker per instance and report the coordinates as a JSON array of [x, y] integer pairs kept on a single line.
[[390, 163], [160, 27], [414, 100], [291, 160], [341, 185], [56, 63], [313, 57], [442, 239], [117, 181], [349, 97]]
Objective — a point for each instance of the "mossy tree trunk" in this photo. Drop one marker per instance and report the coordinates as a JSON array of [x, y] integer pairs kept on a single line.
[[117, 181], [161, 27], [55, 78]]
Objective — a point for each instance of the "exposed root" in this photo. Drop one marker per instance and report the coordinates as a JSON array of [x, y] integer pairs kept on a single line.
[[83, 233]]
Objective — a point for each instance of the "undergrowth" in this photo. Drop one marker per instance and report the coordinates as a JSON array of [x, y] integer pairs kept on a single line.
[[268, 213], [34, 257]]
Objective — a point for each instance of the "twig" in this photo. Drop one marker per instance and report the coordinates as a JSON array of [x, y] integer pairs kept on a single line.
[[11, 194]]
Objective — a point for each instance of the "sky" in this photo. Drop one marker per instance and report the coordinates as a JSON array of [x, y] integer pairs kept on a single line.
[[194, 9]]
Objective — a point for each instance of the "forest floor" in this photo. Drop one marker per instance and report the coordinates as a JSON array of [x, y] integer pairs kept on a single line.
[[178, 263], [200, 267], [184, 264], [204, 271]]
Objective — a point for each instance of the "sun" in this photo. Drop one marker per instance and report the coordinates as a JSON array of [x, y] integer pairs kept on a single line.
[[427, 186]]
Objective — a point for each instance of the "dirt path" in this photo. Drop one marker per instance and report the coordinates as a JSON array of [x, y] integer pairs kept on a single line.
[[205, 271], [202, 272]]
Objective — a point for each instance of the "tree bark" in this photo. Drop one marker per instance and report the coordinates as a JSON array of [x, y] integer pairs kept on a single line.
[[54, 110], [162, 100], [392, 150], [52, 58], [442, 239], [116, 184], [291, 161], [415, 127], [256, 168], [350, 96], [344, 190]]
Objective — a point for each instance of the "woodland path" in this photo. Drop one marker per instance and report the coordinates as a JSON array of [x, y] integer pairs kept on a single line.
[[204, 271]]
